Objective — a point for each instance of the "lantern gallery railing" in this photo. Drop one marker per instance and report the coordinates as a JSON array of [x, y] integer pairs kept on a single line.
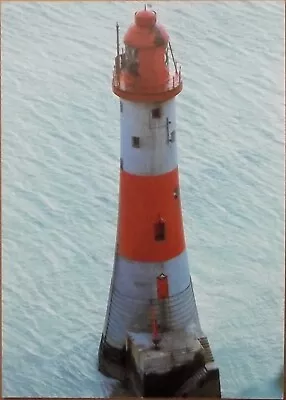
[[174, 82], [175, 79]]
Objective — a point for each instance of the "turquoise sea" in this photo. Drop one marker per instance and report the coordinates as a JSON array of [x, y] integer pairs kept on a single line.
[[60, 158]]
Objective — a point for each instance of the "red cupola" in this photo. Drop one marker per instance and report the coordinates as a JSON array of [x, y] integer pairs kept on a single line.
[[142, 70]]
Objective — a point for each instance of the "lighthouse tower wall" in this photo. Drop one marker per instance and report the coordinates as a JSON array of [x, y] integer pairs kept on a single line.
[[134, 281], [156, 153]]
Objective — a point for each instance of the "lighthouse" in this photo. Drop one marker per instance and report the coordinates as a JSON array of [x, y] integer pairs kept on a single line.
[[152, 339]]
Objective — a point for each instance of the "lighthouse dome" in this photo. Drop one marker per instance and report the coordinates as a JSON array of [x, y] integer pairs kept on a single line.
[[145, 32]]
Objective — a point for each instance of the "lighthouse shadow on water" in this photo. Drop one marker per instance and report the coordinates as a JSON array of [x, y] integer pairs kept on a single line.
[[152, 340]]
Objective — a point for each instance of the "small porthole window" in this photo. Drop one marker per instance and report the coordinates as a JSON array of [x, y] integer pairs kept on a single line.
[[176, 193], [159, 230], [121, 106], [135, 141], [156, 113]]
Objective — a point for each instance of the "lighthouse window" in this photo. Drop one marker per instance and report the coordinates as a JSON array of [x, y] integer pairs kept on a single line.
[[156, 113], [131, 54], [159, 231], [121, 163], [135, 141], [121, 106], [131, 58]]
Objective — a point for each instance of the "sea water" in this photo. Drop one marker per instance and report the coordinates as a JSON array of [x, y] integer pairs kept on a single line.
[[60, 160]]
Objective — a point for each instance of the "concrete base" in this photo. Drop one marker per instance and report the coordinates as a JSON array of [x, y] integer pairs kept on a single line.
[[190, 380], [200, 378], [111, 361]]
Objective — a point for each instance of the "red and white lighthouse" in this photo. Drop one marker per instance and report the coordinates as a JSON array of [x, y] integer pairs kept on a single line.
[[152, 338]]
